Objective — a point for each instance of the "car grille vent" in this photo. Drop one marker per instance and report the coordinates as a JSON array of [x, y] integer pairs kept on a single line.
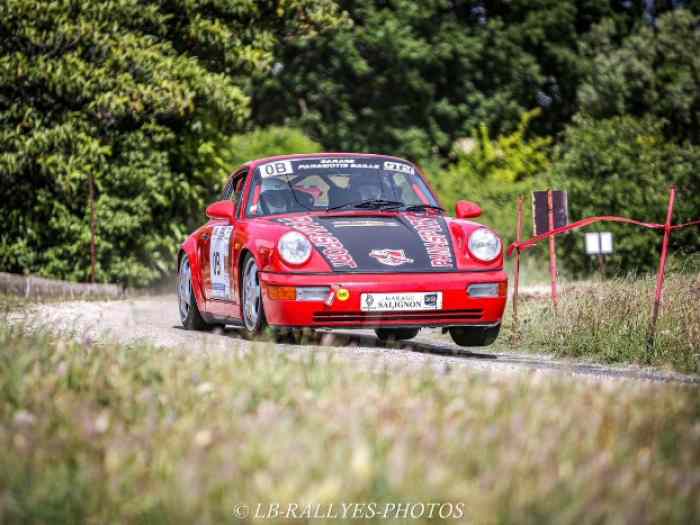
[[441, 316]]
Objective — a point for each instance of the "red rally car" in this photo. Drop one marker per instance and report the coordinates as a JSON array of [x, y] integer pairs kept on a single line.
[[341, 240]]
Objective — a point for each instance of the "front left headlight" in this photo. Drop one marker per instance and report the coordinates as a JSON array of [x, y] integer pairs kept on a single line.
[[484, 245], [294, 248]]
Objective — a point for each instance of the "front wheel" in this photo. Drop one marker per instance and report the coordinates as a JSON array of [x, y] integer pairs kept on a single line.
[[254, 322], [396, 334], [475, 335]]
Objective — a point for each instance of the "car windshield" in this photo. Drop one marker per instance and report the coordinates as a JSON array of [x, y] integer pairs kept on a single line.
[[337, 183]]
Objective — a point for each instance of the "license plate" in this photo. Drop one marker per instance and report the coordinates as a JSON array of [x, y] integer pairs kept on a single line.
[[397, 302]]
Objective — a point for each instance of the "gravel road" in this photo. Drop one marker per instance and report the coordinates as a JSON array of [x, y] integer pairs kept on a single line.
[[155, 320]]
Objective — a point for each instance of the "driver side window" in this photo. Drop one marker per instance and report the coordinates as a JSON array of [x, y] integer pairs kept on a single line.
[[234, 189], [238, 184], [226, 192]]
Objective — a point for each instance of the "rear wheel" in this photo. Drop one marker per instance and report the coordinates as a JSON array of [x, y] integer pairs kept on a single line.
[[396, 334], [190, 317], [475, 335], [254, 322]]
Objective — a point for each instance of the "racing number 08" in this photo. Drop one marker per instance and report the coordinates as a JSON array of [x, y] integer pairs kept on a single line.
[[272, 169]]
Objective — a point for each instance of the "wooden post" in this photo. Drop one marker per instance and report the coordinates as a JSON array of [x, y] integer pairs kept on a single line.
[[552, 250], [516, 279], [661, 275], [93, 228]]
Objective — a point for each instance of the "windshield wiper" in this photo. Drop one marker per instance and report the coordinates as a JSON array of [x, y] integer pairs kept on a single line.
[[369, 204], [421, 207]]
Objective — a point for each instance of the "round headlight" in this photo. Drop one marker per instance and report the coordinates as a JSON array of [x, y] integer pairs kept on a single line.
[[294, 248], [484, 245]]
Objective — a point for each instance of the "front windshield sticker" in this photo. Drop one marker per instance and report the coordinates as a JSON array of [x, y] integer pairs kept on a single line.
[[328, 244], [279, 168], [432, 233], [398, 166], [275, 169], [338, 163]]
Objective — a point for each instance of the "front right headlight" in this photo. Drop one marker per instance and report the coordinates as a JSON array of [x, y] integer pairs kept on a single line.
[[484, 245], [294, 248]]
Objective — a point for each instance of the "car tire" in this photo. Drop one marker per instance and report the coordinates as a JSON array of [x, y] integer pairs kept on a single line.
[[190, 317], [254, 323], [396, 334], [475, 335]]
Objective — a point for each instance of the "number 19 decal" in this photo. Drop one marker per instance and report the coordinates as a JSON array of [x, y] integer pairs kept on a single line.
[[219, 259]]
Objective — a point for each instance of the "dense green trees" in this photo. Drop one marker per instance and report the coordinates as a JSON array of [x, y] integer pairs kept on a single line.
[[412, 77], [127, 92], [624, 166], [655, 71], [637, 133], [494, 172], [158, 99]]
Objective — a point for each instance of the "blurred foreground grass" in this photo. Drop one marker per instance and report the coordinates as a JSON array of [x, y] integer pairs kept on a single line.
[[608, 321], [114, 434]]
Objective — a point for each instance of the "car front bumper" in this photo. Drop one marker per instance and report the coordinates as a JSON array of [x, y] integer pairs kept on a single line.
[[458, 308]]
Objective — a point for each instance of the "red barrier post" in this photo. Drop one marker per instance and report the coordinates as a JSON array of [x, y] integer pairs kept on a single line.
[[516, 283], [661, 275], [93, 228], [552, 250]]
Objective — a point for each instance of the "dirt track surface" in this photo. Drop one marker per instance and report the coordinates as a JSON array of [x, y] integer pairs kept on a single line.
[[154, 320]]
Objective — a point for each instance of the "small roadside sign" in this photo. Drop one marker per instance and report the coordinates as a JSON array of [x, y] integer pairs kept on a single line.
[[540, 210], [599, 243]]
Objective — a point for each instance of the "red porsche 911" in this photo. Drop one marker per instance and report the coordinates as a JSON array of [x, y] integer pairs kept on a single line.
[[341, 240]]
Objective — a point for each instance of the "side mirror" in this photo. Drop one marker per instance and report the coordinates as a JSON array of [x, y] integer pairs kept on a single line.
[[222, 210], [467, 210]]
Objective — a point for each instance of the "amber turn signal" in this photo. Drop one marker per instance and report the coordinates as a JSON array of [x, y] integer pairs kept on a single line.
[[282, 293]]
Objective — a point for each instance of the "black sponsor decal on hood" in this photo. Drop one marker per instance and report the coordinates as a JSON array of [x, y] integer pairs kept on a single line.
[[325, 242], [407, 243], [433, 233]]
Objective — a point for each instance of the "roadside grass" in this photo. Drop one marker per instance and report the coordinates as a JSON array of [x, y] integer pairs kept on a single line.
[[608, 321], [134, 434], [10, 303]]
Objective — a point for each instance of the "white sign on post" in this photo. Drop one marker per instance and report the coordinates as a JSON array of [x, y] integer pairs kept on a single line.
[[606, 242], [599, 243]]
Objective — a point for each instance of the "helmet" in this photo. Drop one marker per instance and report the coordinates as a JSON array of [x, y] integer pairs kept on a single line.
[[275, 195], [366, 187]]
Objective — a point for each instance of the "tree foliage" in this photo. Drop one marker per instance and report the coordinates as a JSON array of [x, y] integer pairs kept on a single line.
[[625, 166], [223, 157], [653, 71], [127, 92], [495, 172], [410, 78], [158, 100]]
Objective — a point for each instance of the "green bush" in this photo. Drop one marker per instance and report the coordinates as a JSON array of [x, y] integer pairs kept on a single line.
[[495, 172], [651, 71], [225, 156], [624, 166], [125, 92]]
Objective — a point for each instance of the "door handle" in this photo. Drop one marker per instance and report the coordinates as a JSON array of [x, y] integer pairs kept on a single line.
[[204, 237]]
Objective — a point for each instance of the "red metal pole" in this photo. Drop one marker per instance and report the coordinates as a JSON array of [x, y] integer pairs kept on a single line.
[[661, 275], [516, 283], [93, 228], [552, 250]]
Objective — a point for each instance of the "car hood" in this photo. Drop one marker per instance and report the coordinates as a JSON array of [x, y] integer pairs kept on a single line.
[[406, 242]]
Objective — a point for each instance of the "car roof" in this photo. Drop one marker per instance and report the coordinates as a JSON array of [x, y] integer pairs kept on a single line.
[[253, 163]]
